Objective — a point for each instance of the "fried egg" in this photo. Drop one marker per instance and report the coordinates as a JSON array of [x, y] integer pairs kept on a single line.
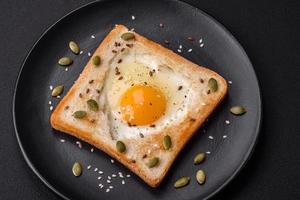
[[143, 96]]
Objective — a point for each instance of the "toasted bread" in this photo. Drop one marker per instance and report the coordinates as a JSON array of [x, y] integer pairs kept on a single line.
[[95, 128]]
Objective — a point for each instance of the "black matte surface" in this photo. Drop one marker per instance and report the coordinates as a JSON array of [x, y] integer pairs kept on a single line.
[[268, 32], [220, 53]]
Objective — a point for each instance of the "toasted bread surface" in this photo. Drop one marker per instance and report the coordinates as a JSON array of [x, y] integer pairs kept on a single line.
[[95, 128]]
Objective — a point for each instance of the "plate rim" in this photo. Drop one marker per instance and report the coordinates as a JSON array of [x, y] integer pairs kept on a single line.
[[242, 164]]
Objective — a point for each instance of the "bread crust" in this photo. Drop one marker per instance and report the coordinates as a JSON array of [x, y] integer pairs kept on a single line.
[[187, 128]]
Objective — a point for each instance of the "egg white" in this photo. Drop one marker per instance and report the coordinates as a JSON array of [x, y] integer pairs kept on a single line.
[[134, 69]]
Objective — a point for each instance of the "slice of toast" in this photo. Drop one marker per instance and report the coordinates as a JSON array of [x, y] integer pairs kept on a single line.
[[200, 88]]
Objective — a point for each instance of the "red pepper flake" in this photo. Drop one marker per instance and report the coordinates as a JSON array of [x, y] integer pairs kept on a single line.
[[145, 83], [161, 25], [201, 80], [120, 60], [152, 125], [142, 135], [116, 44], [129, 45], [167, 42], [180, 87], [80, 95], [87, 90], [92, 121], [132, 84], [122, 49], [151, 72], [91, 81], [184, 96], [133, 161], [120, 78], [193, 120], [114, 51], [98, 91], [191, 39], [67, 107], [150, 104], [144, 156], [208, 91]]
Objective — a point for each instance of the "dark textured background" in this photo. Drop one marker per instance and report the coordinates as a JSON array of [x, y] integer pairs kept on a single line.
[[268, 31]]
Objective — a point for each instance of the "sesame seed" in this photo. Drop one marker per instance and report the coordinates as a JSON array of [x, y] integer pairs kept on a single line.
[[50, 102], [96, 169], [179, 50], [66, 69], [89, 54], [81, 52], [107, 190], [230, 82], [108, 177], [89, 167], [128, 175], [133, 17], [200, 41], [79, 144], [190, 50], [123, 182], [224, 136], [100, 172], [211, 137], [161, 25], [51, 108], [227, 121], [99, 177], [62, 140], [93, 37], [112, 161], [51, 87], [113, 175], [208, 152], [92, 150], [180, 46], [108, 181], [111, 187], [201, 45], [58, 97]]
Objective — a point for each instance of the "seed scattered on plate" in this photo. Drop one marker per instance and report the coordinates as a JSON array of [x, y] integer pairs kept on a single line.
[[74, 47], [77, 169], [99, 177], [133, 17], [199, 158], [211, 137], [89, 54], [51, 87], [123, 182], [227, 122], [224, 136], [96, 169], [183, 181], [92, 150], [100, 172], [89, 167], [238, 110], [190, 50], [112, 161], [202, 45], [208, 152], [230, 82], [93, 37], [62, 140], [200, 176], [51, 108]]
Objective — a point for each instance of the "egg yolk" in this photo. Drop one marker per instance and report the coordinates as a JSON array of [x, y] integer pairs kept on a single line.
[[142, 105]]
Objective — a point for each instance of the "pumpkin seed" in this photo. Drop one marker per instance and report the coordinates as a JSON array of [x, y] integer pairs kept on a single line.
[[96, 60], [213, 84], [74, 47], [79, 114], [65, 61], [120, 146], [183, 181], [199, 158], [167, 143], [200, 176], [127, 36], [93, 105], [153, 162], [238, 110], [77, 169], [57, 90]]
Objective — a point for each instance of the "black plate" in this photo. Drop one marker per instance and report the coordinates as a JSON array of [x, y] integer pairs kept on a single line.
[[51, 160]]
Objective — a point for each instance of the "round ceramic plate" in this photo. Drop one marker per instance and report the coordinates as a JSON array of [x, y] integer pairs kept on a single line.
[[227, 140]]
